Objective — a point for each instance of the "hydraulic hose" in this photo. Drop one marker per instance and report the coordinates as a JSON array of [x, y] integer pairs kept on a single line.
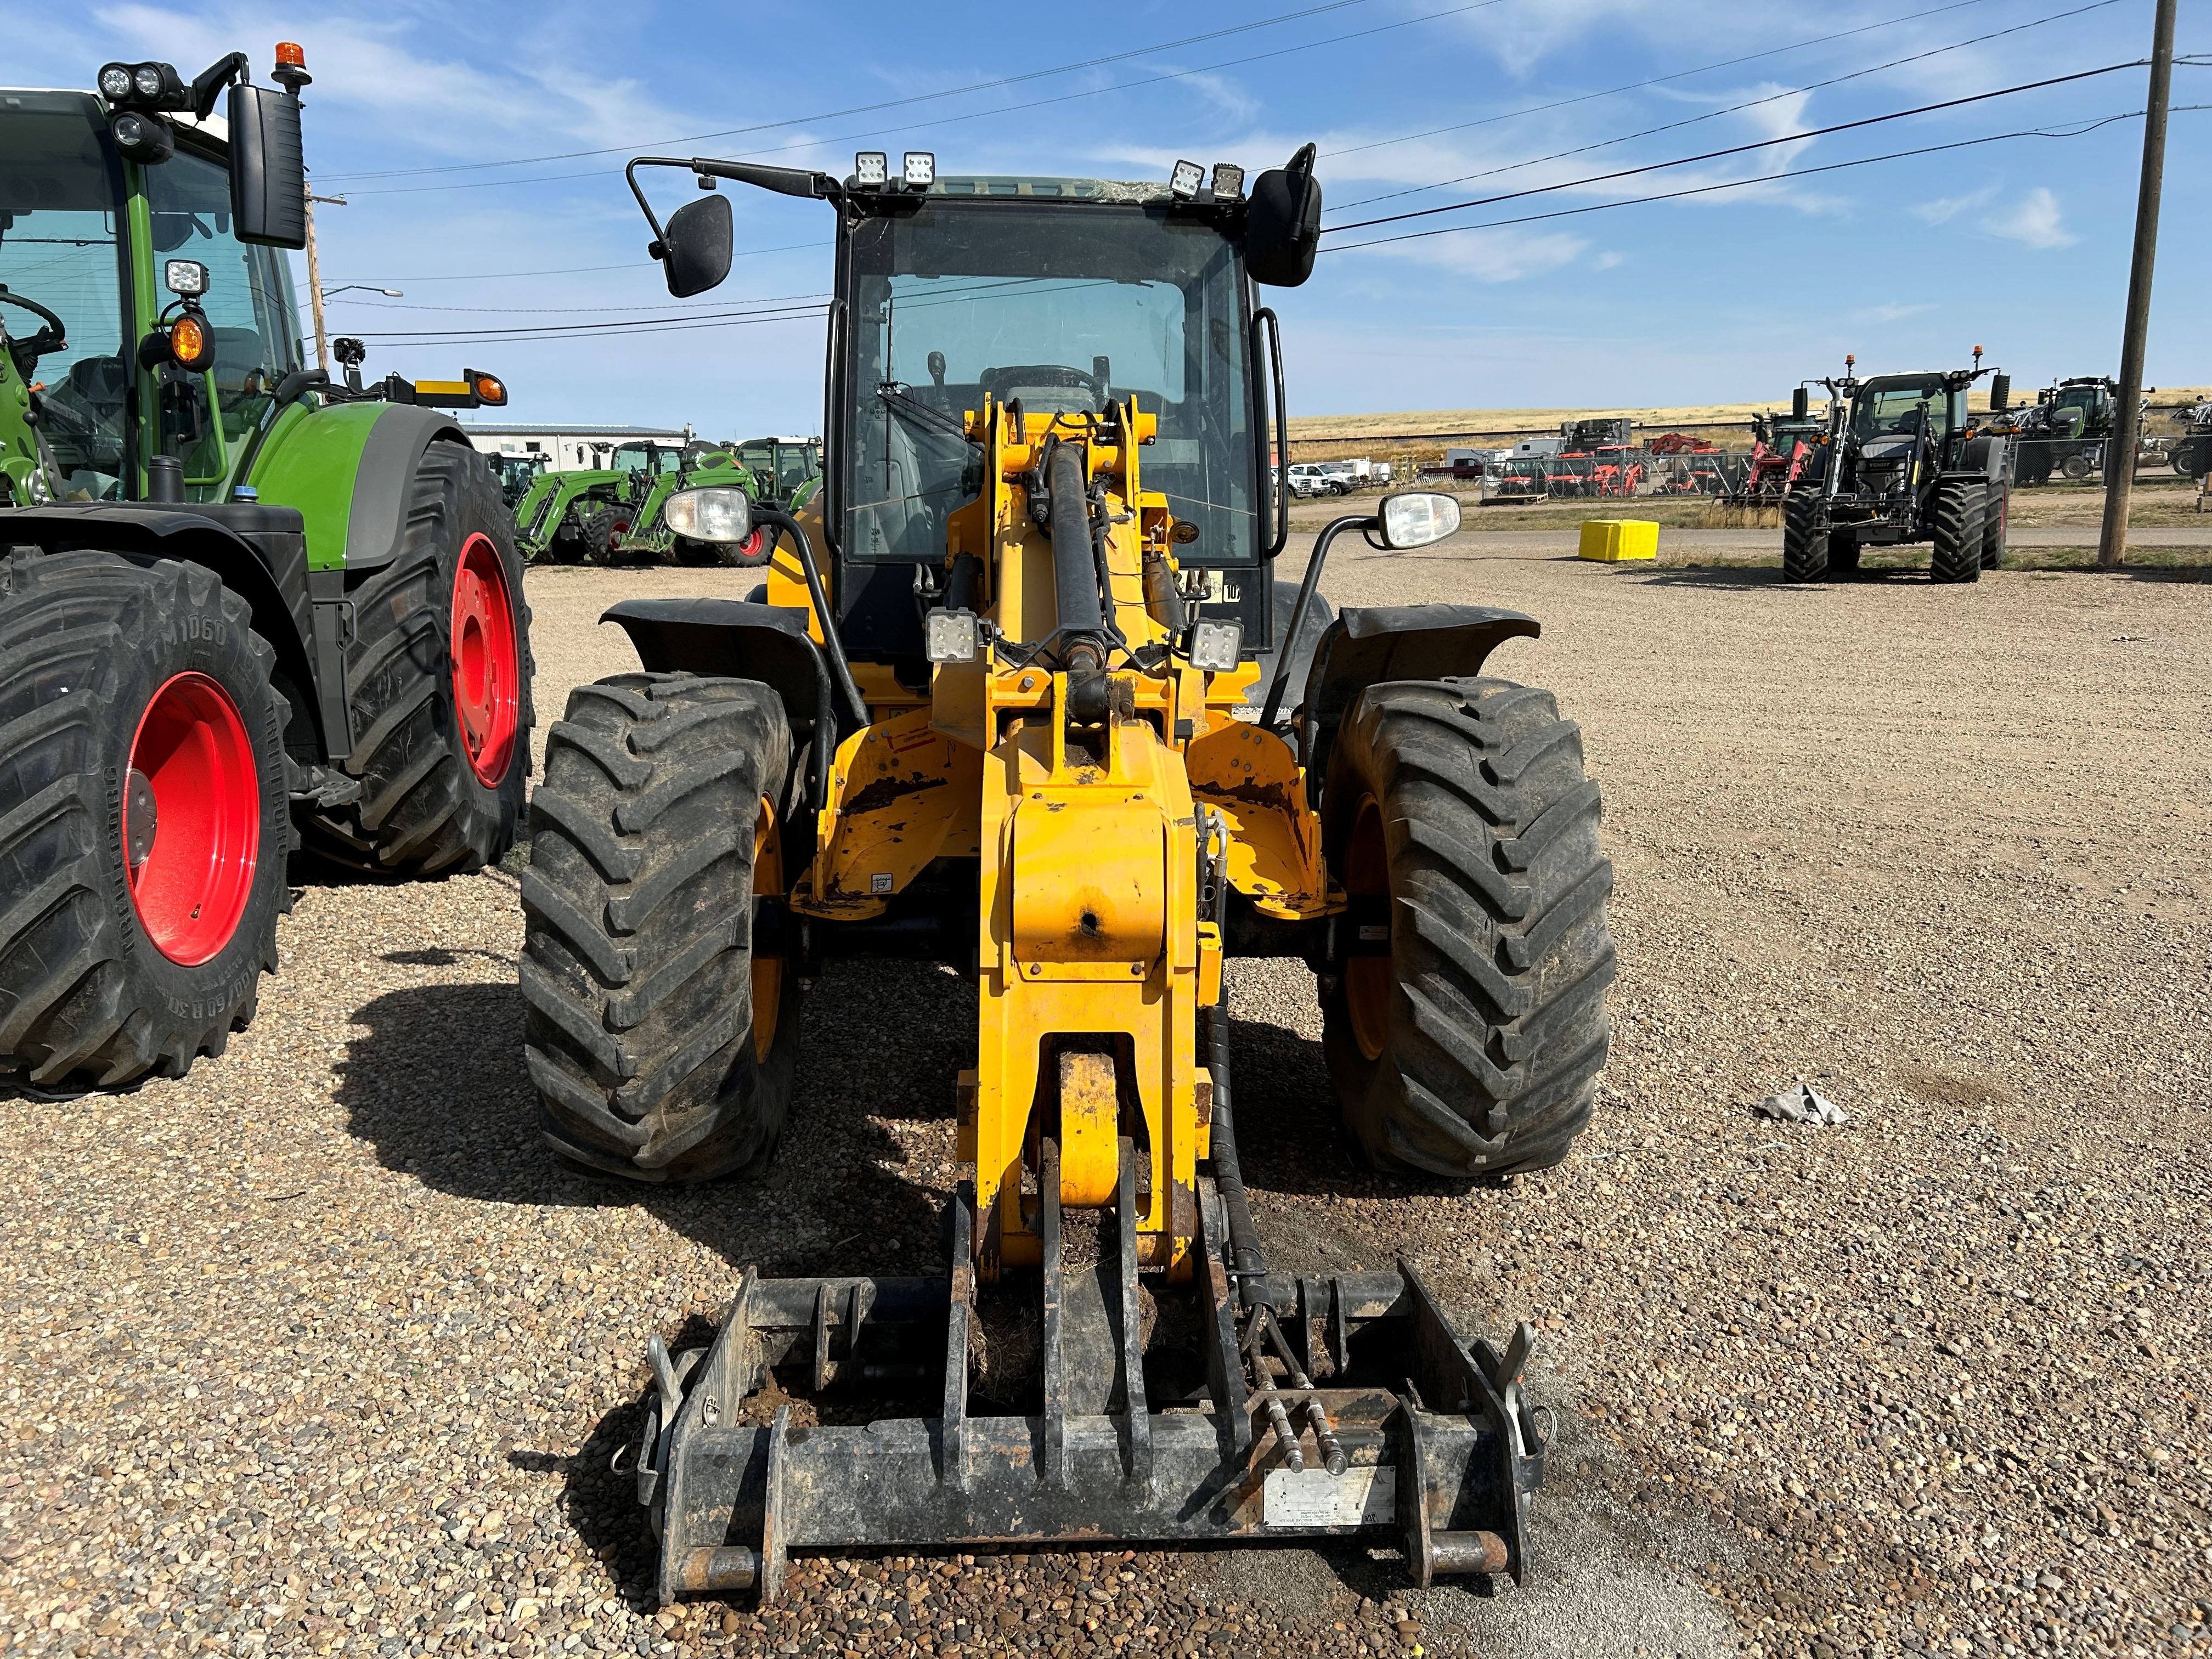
[[1244, 1258], [1074, 565]]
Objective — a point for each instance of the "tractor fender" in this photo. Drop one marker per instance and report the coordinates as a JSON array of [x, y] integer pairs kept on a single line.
[[769, 643], [348, 468], [1985, 457], [257, 550], [1368, 645]]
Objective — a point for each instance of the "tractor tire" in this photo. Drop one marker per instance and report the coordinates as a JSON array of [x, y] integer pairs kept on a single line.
[[144, 818], [1804, 543], [1843, 552], [1473, 1048], [2076, 467], [1997, 511], [662, 1047], [442, 726], [1962, 506]]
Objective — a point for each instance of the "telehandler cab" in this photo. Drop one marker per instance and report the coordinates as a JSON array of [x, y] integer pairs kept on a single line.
[[988, 715]]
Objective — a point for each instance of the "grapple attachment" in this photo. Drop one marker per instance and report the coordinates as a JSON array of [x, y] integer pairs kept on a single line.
[[1276, 1408]]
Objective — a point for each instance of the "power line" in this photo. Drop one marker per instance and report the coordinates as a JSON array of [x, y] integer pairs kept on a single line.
[[1738, 149], [1732, 109], [595, 311], [1655, 81], [979, 115], [868, 109], [2081, 131], [568, 270], [555, 330]]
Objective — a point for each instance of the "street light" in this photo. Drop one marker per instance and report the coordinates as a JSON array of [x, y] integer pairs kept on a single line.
[[388, 293]]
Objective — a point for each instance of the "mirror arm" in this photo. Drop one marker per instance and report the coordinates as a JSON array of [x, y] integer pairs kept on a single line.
[[208, 83], [1278, 480], [784, 181], [1357, 521]]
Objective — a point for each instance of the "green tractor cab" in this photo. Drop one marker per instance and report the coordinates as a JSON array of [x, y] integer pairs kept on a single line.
[[244, 610]]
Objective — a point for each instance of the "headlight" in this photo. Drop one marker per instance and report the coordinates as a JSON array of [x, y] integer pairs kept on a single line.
[[951, 637], [146, 78], [1417, 520], [1228, 181], [115, 82], [712, 513], [1215, 646], [920, 169]]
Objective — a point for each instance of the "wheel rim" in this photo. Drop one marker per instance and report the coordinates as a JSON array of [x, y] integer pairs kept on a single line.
[[192, 819], [768, 971], [1368, 981], [487, 672]]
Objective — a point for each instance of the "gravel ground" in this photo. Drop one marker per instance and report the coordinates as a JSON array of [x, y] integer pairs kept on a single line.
[[317, 1350]]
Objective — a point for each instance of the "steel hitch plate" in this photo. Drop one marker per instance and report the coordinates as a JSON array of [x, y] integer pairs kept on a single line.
[[1133, 1410]]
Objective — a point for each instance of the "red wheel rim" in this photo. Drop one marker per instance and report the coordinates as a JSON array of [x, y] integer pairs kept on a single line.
[[487, 670], [192, 819]]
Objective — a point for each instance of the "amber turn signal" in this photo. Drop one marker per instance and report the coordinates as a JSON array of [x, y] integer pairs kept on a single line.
[[189, 344], [491, 389]]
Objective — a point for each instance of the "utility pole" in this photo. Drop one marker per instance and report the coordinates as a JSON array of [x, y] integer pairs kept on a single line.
[[2127, 419], [315, 277]]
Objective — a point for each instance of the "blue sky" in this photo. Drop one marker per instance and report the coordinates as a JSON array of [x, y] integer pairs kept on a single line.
[[2020, 245]]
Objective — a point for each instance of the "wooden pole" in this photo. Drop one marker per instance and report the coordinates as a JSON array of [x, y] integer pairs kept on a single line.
[[2127, 418], [315, 278]]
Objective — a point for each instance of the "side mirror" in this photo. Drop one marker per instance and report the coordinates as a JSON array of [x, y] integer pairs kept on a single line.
[[1282, 226], [694, 248], [1417, 519], [268, 169]]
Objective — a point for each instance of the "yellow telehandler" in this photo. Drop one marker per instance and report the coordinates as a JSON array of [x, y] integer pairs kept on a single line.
[[992, 705]]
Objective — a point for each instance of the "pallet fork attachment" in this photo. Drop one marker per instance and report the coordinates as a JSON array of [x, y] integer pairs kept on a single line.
[[1337, 1406]]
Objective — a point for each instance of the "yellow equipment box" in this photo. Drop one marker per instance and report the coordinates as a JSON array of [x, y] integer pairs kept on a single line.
[[1612, 540]]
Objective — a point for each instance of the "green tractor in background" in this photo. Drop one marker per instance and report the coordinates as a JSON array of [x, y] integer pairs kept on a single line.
[[243, 610], [788, 471], [582, 515], [651, 537], [517, 473]]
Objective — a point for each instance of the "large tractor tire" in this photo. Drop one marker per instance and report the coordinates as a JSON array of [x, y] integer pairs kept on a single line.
[[1997, 512], [1804, 543], [1473, 1047], [143, 817], [1961, 509], [438, 676], [662, 1044]]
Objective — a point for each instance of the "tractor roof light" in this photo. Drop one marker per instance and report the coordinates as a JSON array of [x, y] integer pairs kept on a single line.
[[146, 80], [920, 169], [1183, 182], [871, 168], [291, 70], [115, 81], [185, 278], [1228, 181]]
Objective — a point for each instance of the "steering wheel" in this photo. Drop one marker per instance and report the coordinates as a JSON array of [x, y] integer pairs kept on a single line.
[[52, 338], [998, 382]]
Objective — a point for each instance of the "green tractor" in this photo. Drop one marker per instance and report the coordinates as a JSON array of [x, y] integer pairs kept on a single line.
[[652, 537], [517, 473], [788, 471], [243, 610], [583, 515]]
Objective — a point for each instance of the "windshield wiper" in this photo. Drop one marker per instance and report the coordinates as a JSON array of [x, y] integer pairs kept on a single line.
[[893, 395]]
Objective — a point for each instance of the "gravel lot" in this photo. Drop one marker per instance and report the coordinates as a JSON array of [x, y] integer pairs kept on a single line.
[[316, 1351]]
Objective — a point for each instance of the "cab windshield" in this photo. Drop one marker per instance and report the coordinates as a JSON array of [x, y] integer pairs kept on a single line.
[[61, 251], [1901, 409], [1065, 306]]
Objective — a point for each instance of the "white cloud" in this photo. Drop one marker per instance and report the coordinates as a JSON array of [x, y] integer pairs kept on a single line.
[[1493, 256], [1944, 209], [2034, 219], [1888, 314]]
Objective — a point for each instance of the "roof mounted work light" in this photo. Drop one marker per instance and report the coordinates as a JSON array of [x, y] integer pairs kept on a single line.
[[920, 169], [871, 168], [1183, 182], [1228, 181]]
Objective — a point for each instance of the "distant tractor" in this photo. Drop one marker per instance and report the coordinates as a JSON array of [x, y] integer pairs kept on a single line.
[[582, 515], [1904, 465], [516, 474], [2066, 431], [2193, 455], [1786, 451]]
